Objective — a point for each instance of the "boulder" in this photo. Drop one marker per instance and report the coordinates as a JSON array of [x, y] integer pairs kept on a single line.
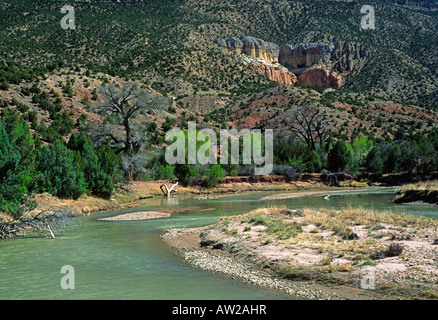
[[234, 43]]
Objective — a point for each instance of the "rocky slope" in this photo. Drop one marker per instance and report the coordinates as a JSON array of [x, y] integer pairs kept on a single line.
[[400, 52], [341, 57]]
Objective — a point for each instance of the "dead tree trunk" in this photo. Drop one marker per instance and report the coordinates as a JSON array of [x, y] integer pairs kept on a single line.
[[168, 191]]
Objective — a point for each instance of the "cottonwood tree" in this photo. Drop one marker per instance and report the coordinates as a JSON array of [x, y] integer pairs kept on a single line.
[[309, 123], [121, 108]]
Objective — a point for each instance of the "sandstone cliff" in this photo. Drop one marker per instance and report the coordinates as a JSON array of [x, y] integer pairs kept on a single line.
[[275, 73], [317, 64], [302, 55], [253, 47], [320, 78]]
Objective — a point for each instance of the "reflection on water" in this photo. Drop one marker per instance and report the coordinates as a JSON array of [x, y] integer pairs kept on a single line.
[[128, 260]]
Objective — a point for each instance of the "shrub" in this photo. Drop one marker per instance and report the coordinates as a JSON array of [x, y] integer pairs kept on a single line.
[[60, 174], [98, 181], [394, 249], [161, 172], [4, 85], [183, 172], [214, 175]]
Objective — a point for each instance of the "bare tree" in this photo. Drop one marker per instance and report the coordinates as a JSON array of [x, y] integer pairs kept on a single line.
[[309, 123], [121, 127]]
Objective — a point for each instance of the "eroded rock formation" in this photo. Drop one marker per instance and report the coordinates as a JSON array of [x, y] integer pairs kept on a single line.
[[253, 47], [347, 57], [316, 64], [275, 73], [320, 78], [303, 55]]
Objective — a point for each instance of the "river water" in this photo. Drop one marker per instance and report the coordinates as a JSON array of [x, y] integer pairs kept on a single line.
[[128, 260]]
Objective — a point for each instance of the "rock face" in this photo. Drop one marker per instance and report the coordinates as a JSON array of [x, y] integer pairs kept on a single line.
[[303, 55], [320, 78], [274, 73], [347, 57], [260, 49], [316, 64], [253, 47]]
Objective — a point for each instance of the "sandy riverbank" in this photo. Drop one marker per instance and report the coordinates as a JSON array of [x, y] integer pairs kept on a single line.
[[319, 255], [150, 215], [133, 194]]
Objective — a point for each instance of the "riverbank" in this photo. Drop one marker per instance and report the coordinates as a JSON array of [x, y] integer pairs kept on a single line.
[[422, 192], [152, 215], [135, 192], [319, 255]]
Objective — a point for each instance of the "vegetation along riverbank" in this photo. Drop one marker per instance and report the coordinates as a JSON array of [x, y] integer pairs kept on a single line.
[[425, 192], [327, 254]]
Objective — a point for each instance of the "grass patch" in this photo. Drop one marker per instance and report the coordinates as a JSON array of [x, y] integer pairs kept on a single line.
[[274, 220], [339, 220], [431, 185], [296, 273], [429, 294]]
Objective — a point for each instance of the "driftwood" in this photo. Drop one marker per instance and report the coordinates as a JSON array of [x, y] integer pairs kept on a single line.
[[51, 232], [124, 187], [51, 221], [168, 191]]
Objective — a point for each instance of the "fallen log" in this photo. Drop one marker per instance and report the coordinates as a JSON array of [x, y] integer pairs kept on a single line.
[[59, 220]]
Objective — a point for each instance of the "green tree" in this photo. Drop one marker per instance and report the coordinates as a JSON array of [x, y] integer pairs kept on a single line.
[[98, 181], [60, 174], [108, 159], [312, 162], [374, 161], [13, 192], [392, 161], [360, 148], [339, 157], [214, 175]]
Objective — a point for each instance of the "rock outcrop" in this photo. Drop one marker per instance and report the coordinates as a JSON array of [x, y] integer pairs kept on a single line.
[[253, 47], [347, 57], [303, 55], [320, 78], [274, 72], [318, 64]]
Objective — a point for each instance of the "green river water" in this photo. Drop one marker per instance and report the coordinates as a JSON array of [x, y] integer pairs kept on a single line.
[[128, 260]]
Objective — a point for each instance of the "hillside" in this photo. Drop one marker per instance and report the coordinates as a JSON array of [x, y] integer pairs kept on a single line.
[[405, 39], [169, 45], [371, 94]]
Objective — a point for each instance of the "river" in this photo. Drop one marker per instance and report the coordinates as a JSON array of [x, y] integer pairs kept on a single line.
[[128, 260]]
